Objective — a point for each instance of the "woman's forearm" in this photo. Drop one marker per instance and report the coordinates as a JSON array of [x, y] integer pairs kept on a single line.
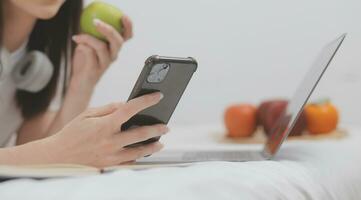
[[76, 101], [36, 152]]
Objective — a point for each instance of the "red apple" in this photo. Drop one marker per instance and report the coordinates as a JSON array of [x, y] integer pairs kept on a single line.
[[272, 113], [262, 110]]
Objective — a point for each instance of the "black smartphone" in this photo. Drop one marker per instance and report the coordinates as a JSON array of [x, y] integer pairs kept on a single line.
[[168, 75]]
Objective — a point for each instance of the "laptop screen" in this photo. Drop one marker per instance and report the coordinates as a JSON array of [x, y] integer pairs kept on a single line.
[[288, 119]]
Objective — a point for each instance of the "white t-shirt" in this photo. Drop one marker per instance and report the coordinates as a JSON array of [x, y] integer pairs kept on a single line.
[[10, 115]]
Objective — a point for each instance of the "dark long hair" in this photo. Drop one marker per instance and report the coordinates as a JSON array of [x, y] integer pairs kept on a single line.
[[53, 38]]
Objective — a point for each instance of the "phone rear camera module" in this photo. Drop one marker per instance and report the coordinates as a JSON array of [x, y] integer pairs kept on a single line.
[[158, 73]]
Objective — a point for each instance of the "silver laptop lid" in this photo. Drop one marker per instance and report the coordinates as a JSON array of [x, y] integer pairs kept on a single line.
[[288, 119]]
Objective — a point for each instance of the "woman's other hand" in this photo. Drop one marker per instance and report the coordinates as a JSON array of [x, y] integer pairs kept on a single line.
[[92, 56], [94, 137], [91, 59]]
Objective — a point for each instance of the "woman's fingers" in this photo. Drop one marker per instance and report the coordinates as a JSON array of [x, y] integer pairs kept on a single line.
[[128, 28], [100, 47], [140, 134], [132, 107], [138, 104], [101, 111], [107, 54], [114, 38], [130, 154]]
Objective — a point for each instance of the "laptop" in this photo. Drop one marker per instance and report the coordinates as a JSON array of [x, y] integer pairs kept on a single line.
[[280, 131]]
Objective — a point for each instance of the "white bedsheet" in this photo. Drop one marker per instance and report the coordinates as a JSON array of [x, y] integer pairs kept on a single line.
[[302, 170]]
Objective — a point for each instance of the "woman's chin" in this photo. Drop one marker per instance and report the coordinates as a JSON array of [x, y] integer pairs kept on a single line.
[[46, 13], [40, 11]]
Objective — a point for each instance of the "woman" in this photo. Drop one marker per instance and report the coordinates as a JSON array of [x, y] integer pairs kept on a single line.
[[66, 135]]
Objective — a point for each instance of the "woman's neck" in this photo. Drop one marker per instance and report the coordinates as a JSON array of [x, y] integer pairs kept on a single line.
[[18, 26]]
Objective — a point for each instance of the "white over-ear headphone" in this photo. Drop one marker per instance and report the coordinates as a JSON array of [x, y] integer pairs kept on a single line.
[[32, 73]]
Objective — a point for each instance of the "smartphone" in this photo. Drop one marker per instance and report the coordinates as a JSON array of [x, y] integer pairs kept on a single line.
[[168, 75]]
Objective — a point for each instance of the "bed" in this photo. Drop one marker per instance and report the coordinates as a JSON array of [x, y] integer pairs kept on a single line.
[[325, 169]]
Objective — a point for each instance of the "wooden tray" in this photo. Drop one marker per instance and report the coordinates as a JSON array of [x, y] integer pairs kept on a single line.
[[259, 137]]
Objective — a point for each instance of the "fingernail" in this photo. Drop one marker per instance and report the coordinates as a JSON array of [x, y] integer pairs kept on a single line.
[[166, 129], [161, 96], [74, 38], [97, 21]]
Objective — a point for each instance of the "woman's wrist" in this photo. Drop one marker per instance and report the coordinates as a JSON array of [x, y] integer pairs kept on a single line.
[[80, 87], [43, 151], [76, 99], [51, 149]]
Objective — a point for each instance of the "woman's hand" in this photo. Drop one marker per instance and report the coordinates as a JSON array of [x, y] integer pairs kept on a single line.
[[92, 56], [94, 137]]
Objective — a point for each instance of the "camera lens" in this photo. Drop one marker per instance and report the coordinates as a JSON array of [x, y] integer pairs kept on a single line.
[[158, 73], [165, 65]]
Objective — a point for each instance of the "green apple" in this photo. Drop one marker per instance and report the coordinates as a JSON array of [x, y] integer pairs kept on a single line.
[[103, 11]]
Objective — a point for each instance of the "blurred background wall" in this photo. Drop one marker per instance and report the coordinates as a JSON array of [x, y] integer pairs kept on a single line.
[[247, 51]]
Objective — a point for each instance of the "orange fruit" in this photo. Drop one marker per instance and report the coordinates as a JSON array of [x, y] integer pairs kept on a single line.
[[240, 120], [321, 117]]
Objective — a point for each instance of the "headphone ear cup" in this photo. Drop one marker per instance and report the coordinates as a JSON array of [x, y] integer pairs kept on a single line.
[[33, 73], [4, 61]]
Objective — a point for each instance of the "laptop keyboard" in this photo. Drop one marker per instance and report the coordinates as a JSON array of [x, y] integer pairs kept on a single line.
[[222, 155]]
